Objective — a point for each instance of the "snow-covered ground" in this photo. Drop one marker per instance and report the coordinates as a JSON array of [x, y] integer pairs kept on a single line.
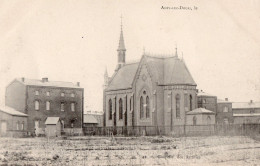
[[215, 150]]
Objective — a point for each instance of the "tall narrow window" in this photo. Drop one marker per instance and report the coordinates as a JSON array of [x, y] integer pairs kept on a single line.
[[22, 126], [130, 103], [190, 102], [194, 120], [62, 94], [47, 93], [110, 109], [170, 101], [141, 107], [178, 112], [208, 120], [48, 105], [62, 106], [37, 105], [147, 107], [72, 95], [72, 106], [17, 126], [36, 93], [120, 109]]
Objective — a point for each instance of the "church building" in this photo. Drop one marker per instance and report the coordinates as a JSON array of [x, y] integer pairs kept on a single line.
[[156, 91]]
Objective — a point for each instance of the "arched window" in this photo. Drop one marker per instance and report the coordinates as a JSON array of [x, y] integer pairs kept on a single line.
[[178, 112], [190, 102], [48, 104], [120, 109], [22, 126], [36, 105], [147, 107], [110, 109], [130, 103], [72, 106], [194, 120], [141, 107]]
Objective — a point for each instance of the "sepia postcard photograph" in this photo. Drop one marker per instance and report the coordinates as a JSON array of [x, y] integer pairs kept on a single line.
[[129, 82]]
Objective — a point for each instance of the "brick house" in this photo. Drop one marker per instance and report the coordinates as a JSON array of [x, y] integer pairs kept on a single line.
[[12, 122], [207, 101], [224, 112], [40, 99], [156, 91]]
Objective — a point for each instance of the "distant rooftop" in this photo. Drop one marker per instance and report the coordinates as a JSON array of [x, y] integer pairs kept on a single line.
[[11, 111], [223, 101], [52, 120], [240, 105], [88, 118], [46, 82], [202, 93]]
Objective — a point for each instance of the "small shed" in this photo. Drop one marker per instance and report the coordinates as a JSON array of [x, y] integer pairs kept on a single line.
[[53, 127], [90, 120]]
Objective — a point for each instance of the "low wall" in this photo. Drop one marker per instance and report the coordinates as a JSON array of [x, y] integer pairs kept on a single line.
[[72, 131]]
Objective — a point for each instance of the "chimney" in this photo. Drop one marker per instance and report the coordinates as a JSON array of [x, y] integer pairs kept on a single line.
[[22, 79], [226, 99], [251, 101], [45, 79], [78, 83]]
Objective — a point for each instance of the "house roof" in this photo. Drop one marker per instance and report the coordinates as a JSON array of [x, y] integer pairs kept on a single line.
[[201, 93], [52, 120], [88, 118], [35, 82], [243, 115], [165, 71], [11, 111], [241, 105], [200, 111], [223, 101]]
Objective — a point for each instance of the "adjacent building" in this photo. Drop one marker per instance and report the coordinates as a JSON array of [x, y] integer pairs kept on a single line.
[[224, 112], [246, 112], [40, 99], [12, 122]]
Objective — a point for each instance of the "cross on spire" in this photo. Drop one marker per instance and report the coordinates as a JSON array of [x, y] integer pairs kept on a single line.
[[121, 17]]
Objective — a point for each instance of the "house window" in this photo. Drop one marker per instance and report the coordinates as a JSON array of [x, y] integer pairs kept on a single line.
[[62, 125], [225, 109], [130, 103], [178, 112], [141, 107], [190, 102], [208, 120], [47, 93], [169, 101], [48, 105], [110, 109], [72, 105], [72, 95], [17, 126], [147, 107], [22, 126], [62, 94], [225, 120], [194, 120], [62, 106], [36, 93], [204, 101], [120, 109], [36, 105]]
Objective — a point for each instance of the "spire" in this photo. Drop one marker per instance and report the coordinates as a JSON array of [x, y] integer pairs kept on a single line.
[[176, 52], [121, 46]]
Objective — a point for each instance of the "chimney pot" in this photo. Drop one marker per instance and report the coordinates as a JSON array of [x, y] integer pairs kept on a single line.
[[22, 79], [78, 83], [251, 101], [45, 79], [226, 99]]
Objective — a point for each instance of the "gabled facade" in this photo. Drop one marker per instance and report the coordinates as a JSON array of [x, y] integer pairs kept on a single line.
[[156, 91]]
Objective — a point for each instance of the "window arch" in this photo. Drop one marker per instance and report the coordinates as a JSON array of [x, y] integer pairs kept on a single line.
[[130, 103], [110, 109], [37, 105], [141, 107], [147, 107], [178, 112], [190, 102], [120, 109], [194, 120]]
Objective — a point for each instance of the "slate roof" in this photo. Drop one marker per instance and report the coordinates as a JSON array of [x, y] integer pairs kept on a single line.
[[223, 101], [35, 82], [240, 105], [11, 111], [165, 71], [243, 115], [200, 111], [52, 120], [90, 119]]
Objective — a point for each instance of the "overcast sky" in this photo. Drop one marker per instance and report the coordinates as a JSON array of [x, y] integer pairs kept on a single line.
[[76, 40]]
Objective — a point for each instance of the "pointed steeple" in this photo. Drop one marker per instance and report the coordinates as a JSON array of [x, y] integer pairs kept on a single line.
[[106, 79], [121, 49]]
